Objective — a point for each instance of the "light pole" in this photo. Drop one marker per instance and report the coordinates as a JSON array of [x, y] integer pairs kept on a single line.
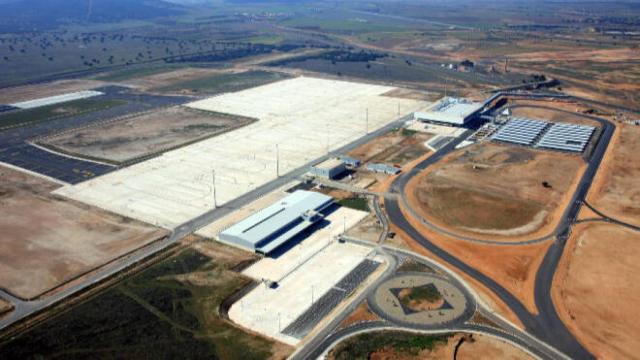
[[215, 202], [366, 126], [277, 161], [446, 80]]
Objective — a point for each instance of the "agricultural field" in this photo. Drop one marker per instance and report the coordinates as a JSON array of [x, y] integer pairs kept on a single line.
[[408, 71], [172, 309], [143, 135], [71, 238], [51, 112], [482, 190]]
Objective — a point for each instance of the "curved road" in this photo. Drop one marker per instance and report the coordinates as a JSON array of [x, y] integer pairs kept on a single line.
[[547, 324]]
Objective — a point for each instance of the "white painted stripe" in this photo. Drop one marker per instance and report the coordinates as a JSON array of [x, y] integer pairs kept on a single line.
[[52, 100]]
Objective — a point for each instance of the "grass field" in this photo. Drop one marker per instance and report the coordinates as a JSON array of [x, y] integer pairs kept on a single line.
[[224, 83], [362, 346], [357, 203], [424, 293], [168, 311], [47, 113]]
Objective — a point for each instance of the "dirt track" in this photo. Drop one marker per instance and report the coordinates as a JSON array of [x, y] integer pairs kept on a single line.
[[47, 240], [596, 289]]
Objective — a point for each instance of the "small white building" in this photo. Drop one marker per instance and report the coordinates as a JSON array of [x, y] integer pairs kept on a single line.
[[449, 111], [328, 169]]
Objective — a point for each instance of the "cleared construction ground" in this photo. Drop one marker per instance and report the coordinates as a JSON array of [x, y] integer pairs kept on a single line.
[[304, 117], [48, 240], [138, 136], [490, 189], [596, 289], [616, 187]]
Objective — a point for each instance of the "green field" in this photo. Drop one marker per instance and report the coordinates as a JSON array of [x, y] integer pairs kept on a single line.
[[169, 311], [362, 346], [224, 83], [52, 112], [422, 293], [357, 203]]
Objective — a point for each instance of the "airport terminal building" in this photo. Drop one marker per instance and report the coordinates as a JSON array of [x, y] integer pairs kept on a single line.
[[273, 226], [449, 111]]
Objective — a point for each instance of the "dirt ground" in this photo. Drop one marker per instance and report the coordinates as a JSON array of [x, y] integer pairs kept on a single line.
[[596, 289], [395, 147], [149, 133], [360, 314], [473, 347], [413, 94], [169, 78], [554, 116], [368, 229], [5, 307], [30, 92], [616, 187], [47, 240], [481, 190]]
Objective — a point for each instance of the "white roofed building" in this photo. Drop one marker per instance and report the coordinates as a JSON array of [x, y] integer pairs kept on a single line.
[[271, 227], [449, 111]]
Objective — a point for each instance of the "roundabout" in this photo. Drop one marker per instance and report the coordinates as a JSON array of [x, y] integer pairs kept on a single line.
[[421, 301]]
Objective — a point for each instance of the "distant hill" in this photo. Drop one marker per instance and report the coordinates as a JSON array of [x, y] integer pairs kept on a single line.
[[26, 15]]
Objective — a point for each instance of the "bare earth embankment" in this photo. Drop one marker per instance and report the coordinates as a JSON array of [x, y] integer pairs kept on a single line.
[[46, 240]]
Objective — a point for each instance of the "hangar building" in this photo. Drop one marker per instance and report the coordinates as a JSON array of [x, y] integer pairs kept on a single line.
[[449, 111], [271, 227]]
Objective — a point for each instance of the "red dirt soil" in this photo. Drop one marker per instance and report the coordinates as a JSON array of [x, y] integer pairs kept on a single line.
[[616, 187], [596, 289], [486, 180], [47, 240]]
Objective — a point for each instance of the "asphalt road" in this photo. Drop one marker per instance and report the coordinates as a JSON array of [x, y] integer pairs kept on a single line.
[[25, 308], [547, 324], [16, 149]]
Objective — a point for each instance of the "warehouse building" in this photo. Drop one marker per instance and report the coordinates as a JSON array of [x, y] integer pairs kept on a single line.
[[329, 169], [383, 168], [349, 161], [273, 226], [449, 111]]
